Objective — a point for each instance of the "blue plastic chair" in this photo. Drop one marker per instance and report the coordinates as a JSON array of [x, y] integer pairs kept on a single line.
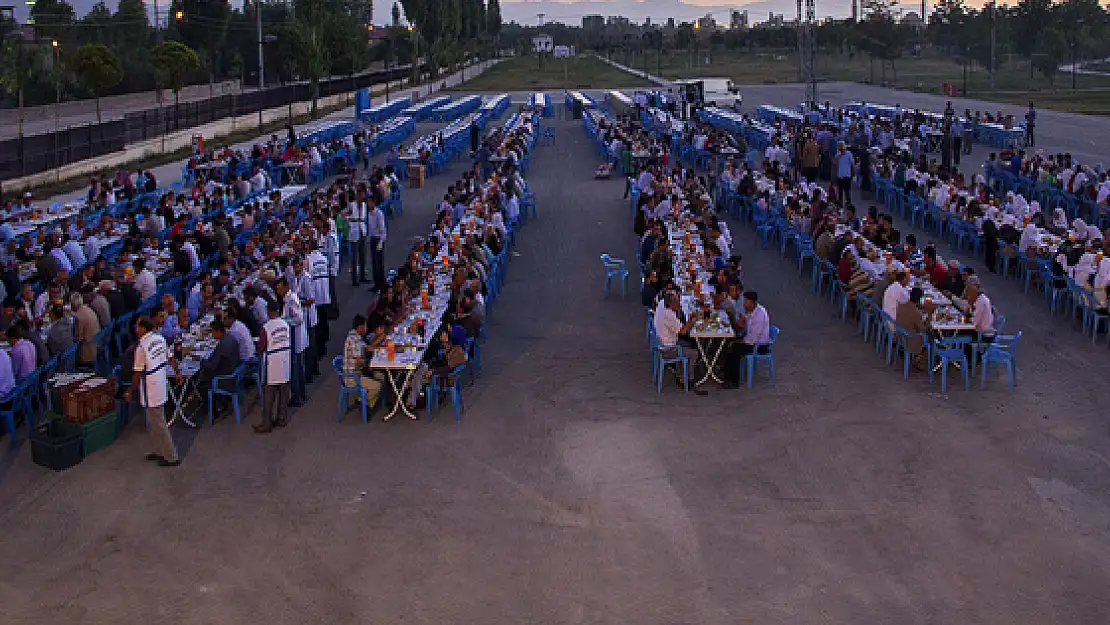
[[349, 384], [474, 357], [902, 338], [235, 377], [753, 359], [20, 398], [1001, 353], [663, 356], [615, 268], [451, 384], [950, 351]]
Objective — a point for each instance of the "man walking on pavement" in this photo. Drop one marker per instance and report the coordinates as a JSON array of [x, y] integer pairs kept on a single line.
[[274, 343], [375, 230], [152, 356], [356, 219]]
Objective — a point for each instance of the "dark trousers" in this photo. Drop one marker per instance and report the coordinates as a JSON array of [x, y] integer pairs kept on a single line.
[[735, 359], [358, 261], [296, 378], [844, 188], [991, 254], [332, 311], [310, 358], [810, 173], [323, 335], [274, 398], [377, 258], [957, 149]]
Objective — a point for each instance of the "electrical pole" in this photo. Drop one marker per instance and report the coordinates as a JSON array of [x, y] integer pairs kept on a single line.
[[261, 64], [993, 33]]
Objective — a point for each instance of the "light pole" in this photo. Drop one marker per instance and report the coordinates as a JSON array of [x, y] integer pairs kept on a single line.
[[1075, 50], [57, 71], [993, 36], [261, 62]]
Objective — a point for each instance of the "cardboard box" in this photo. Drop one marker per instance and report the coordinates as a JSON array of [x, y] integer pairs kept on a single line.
[[416, 175]]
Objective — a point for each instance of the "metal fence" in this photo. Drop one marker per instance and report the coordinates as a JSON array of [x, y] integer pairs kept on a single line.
[[32, 154]]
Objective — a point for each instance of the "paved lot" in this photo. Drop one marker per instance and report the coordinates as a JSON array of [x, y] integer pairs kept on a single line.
[[572, 492]]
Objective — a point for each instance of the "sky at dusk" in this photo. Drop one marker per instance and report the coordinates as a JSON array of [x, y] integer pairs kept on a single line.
[[571, 11]]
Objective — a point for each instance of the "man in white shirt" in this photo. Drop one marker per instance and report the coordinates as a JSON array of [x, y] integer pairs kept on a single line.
[[356, 220], [644, 181], [294, 317], [145, 282], [258, 180], [152, 356], [896, 294], [376, 231], [756, 325], [981, 314], [318, 270], [669, 329], [191, 252], [73, 250]]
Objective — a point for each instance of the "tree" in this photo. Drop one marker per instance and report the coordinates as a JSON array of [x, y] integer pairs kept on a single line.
[[173, 62], [97, 68], [1053, 50], [16, 69], [53, 19], [493, 20], [1030, 17], [202, 28], [96, 26], [879, 33]]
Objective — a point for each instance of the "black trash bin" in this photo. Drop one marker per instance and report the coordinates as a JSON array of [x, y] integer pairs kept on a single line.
[[56, 444]]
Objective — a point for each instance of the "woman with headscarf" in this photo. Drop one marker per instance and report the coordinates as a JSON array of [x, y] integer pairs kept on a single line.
[[1102, 282], [1029, 239], [1079, 229], [1084, 270], [1059, 220], [440, 360]]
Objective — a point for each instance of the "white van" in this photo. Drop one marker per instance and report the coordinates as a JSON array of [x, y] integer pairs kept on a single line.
[[720, 92]]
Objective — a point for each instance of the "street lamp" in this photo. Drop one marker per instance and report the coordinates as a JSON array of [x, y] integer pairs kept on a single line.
[[1075, 50]]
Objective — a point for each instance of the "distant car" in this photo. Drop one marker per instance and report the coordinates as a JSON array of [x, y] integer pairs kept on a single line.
[[719, 92]]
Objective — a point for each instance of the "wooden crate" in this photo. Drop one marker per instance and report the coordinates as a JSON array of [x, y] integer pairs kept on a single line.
[[88, 400]]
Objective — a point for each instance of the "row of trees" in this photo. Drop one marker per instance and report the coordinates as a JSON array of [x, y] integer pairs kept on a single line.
[[1044, 34], [108, 53]]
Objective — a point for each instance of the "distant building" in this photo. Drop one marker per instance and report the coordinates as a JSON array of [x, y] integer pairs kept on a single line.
[[618, 21], [647, 22], [543, 43], [670, 23], [593, 22], [855, 10], [775, 21], [738, 20], [707, 22], [913, 20]]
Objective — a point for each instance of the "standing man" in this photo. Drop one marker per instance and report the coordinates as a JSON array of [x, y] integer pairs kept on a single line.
[[1030, 122], [293, 315], [845, 167], [306, 292], [356, 219], [957, 140], [331, 253], [275, 344], [318, 270], [149, 376], [375, 229]]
